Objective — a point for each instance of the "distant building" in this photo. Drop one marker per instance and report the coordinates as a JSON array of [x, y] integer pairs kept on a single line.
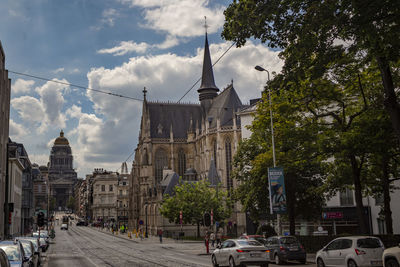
[[5, 92], [39, 188], [105, 187], [123, 195], [61, 175], [80, 198]]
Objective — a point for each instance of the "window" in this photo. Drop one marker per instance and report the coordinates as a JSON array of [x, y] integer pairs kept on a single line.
[[181, 162], [103, 187], [120, 192], [369, 243], [123, 183], [346, 197], [381, 226], [215, 153], [161, 161], [334, 245], [110, 187], [228, 159], [346, 243]]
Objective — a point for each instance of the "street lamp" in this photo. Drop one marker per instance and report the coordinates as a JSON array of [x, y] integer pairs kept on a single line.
[[259, 68]]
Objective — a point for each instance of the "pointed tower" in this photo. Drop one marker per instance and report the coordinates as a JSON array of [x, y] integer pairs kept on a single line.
[[208, 90]]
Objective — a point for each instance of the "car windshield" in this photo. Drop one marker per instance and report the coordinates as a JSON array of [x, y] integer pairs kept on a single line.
[[12, 253], [41, 235], [261, 240], [249, 243], [368, 243], [289, 240], [27, 248]]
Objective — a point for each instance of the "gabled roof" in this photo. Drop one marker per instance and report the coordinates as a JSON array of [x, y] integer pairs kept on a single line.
[[163, 115], [224, 106], [172, 179]]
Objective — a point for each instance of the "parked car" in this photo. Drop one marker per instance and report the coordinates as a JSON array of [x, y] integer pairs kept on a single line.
[[36, 245], [4, 259], [44, 244], [64, 226], [29, 250], [258, 238], [237, 252], [391, 257], [285, 248], [15, 253], [351, 251], [81, 223]]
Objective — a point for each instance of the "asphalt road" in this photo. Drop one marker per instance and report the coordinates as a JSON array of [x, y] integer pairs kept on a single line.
[[85, 246]]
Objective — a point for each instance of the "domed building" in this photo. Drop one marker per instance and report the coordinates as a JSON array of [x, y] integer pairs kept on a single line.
[[61, 175]]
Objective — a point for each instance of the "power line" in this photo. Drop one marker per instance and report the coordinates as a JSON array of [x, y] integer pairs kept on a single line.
[[75, 85], [223, 54]]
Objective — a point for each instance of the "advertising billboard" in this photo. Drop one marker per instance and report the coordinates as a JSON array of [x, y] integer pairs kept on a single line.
[[277, 194]]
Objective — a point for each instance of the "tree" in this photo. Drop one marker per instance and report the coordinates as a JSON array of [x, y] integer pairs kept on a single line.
[[313, 34], [52, 204], [195, 199], [71, 203]]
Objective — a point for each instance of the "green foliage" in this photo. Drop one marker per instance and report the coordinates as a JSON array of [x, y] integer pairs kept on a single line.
[[194, 199], [71, 203]]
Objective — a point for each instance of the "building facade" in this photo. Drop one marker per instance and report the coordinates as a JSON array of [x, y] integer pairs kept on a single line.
[[185, 139], [105, 187], [5, 92], [123, 196], [61, 175]]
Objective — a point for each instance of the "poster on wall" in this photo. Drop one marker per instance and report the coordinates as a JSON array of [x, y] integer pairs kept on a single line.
[[277, 194]]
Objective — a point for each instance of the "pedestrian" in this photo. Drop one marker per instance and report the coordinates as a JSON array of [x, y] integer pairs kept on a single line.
[[160, 233], [206, 242], [141, 233], [212, 238], [219, 235]]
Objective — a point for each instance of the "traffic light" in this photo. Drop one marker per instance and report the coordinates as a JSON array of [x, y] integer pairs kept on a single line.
[[40, 219], [207, 219]]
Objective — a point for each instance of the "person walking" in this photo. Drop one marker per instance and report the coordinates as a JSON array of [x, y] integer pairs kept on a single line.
[[141, 234], [219, 236], [212, 238], [206, 242], [160, 233]]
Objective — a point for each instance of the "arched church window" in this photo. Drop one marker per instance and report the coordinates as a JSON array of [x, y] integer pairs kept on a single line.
[[181, 162], [228, 159], [215, 153], [161, 161]]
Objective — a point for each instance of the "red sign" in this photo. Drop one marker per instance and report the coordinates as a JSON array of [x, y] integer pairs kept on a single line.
[[180, 217], [332, 215]]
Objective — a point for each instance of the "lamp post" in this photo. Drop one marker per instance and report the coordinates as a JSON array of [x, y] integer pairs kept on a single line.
[[259, 68]]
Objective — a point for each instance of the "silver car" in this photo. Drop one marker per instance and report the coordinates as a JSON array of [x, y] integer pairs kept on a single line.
[[235, 252], [36, 244], [351, 251]]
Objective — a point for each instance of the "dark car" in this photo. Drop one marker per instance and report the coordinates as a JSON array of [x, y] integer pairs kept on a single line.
[[3, 259], [285, 248], [15, 253], [81, 223]]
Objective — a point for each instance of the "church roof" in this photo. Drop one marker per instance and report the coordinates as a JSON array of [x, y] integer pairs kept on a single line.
[[163, 115], [61, 140], [173, 180], [223, 107]]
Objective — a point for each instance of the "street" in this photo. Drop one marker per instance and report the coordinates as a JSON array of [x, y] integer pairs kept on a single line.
[[86, 246]]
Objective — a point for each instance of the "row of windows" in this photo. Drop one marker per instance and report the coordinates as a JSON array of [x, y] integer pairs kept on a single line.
[[103, 188], [61, 161]]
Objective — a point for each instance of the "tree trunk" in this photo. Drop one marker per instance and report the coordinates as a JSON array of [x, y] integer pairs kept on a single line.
[[290, 185], [198, 229], [358, 195], [391, 104], [386, 197]]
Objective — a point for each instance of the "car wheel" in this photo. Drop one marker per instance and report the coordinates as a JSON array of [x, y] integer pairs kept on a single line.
[[391, 263], [320, 263], [278, 260], [351, 263], [231, 262], [214, 261]]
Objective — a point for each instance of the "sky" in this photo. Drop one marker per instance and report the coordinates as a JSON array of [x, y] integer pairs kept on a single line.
[[116, 46]]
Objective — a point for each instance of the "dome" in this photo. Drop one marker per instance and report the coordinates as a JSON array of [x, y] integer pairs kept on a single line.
[[61, 140]]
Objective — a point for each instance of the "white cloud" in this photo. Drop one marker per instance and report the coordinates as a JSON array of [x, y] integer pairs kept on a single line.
[[22, 86], [17, 131], [29, 108], [181, 18], [58, 70], [125, 47], [109, 16]]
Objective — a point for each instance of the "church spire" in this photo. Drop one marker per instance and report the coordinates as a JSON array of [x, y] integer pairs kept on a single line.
[[208, 89]]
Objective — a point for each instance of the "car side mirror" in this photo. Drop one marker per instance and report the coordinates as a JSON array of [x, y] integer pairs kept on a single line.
[[218, 246]]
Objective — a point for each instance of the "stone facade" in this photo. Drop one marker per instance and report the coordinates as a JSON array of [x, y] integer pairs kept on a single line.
[[5, 92], [61, 175], [185, 139], [105, 187]]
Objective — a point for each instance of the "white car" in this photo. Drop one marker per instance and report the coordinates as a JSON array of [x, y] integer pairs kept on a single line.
[[351, 251], [239, 252], [64, 226], [391, 257]]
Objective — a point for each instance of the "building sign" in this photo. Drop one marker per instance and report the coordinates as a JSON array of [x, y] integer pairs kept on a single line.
[[332, 215], [277, 193]]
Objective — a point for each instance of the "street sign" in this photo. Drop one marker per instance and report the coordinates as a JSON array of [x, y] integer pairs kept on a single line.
[[141, 222], [277, 194], [332, 215]]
